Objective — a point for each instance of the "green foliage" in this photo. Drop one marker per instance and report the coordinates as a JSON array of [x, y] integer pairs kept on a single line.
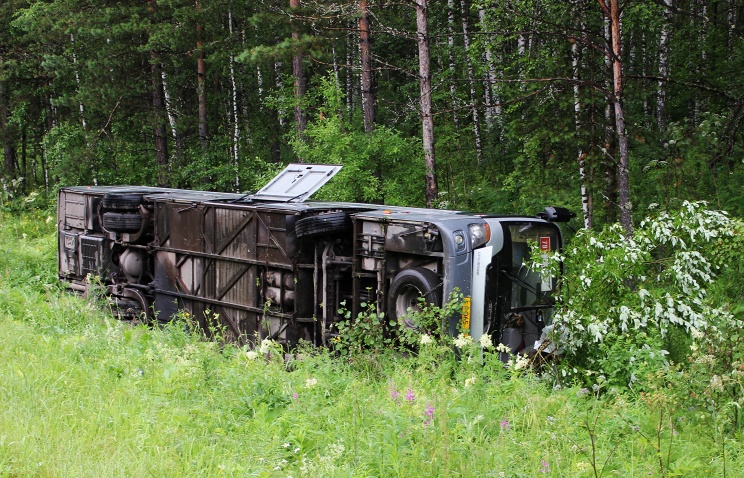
[[380, 167], [626, 299], [368, 332], [163, 401]]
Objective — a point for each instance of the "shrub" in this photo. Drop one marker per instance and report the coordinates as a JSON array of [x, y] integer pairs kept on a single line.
[[625, 299]]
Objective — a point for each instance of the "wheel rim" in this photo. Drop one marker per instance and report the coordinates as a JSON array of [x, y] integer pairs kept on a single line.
[[407, 298]]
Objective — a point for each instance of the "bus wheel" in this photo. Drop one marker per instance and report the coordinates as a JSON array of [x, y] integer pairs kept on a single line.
[[408, 286], [327, 223], [122, 222], [122, 201]]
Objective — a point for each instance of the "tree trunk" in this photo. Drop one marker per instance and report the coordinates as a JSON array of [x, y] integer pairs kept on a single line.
[[77, 81], [663, 67], [493, 110], [201, 73], [158, 112], [300, 85], [157, 93], [236, 126], [465, 16], [586, 198], [451, 53], [368, 94], [612, 11], [9, 155], [170, 110], [427, 120]]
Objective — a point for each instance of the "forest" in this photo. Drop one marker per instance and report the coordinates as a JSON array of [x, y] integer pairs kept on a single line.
[[605, 107], [627, 112]]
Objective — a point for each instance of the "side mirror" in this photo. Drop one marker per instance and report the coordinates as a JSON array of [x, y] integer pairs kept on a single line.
[[556, 214]]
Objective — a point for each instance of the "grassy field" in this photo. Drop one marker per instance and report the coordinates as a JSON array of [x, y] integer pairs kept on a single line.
[[84, 395]]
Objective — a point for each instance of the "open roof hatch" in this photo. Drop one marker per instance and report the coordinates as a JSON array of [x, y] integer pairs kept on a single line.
[[297, 182]]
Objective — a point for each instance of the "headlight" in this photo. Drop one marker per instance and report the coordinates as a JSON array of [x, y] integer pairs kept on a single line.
[[479, 234]]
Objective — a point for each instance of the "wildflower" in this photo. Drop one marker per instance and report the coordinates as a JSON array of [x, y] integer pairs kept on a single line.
[[286, 445], [311, 382], [505, 425], [266, 346], [716, 383], [463, 340], [394, 395], [296, 396], [544, 466], [429, 412], [251, 355], [410, 396], [296, 450], [470, 381], [426, 339], [503, 348], [521, 362], [485, 341]]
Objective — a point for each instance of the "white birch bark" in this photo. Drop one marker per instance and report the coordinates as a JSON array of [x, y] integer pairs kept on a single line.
[[451, 52], [236, 126], [77, 81], [493, 110], [278, 83], [663, 67], [464, 12], [586, 203]]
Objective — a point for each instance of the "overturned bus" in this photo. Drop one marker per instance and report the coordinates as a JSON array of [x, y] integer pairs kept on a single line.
[[273, 264]]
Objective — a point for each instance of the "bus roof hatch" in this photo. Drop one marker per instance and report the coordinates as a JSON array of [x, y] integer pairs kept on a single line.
[[297, 182]]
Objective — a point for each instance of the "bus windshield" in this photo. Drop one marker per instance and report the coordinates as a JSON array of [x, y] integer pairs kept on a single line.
[[530, 289]]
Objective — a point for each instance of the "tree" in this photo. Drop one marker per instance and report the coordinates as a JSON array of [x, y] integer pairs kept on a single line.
[[615, 54], [427, 119]]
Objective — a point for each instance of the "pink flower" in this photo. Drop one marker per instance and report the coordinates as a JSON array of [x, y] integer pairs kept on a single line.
[[410, 396], [429, 414]]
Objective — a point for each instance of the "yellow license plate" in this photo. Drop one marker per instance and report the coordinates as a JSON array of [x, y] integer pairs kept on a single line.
[[465, 321]]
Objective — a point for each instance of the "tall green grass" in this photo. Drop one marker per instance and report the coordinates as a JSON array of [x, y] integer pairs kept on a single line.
[[82, 395]]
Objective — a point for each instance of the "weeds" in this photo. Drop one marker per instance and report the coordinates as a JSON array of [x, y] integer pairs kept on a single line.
[[84, 395]]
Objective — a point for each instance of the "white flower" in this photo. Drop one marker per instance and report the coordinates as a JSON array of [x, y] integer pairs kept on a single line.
[[521, 362], [251, 355], [716, 383], [485, 341], [266, 346], [470, 381], [503, 348], [463, 340], [426, 339], [311, 382]]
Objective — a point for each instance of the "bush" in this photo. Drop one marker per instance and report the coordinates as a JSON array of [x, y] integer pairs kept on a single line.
[[625, 299]]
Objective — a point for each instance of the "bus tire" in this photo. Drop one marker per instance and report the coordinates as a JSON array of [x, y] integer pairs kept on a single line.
[[407, 287], [122, 201], [122, 222], [328, 223]]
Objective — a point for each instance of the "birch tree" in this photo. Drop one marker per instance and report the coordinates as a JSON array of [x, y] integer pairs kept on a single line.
[[427, 119], [365, 46]]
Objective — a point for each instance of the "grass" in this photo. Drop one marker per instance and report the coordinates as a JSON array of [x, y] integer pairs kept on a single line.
[[84, 395]]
